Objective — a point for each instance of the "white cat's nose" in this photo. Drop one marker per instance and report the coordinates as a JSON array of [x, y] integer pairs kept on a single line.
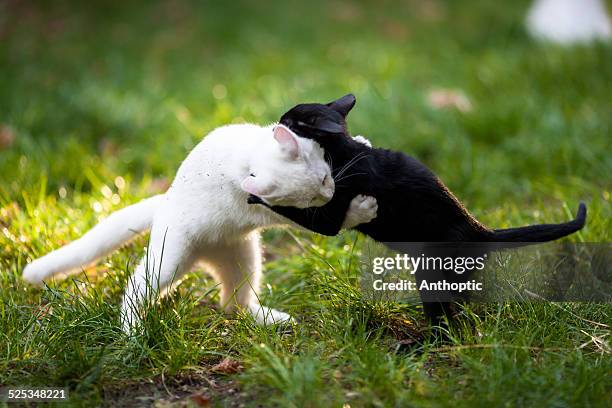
[[328, 193]]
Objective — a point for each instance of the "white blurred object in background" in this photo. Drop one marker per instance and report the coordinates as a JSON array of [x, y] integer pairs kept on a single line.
[[569, 21]]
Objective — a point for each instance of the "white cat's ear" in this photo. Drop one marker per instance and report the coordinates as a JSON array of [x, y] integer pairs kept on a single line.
[[287, 141]]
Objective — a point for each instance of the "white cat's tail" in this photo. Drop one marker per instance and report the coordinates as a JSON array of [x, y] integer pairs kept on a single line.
[[112, 232]]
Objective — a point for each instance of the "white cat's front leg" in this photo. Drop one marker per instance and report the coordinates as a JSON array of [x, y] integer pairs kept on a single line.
[[237, 266], [266, 316], [362, 210], [362, 140]]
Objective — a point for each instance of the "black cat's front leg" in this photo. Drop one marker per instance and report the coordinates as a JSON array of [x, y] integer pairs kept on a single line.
[[253, 199], [325, 220]]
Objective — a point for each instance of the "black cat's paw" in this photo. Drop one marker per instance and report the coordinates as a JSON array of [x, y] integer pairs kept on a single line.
[[253, 199]]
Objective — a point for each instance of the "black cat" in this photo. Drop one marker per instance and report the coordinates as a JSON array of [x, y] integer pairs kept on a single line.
[[413, 204]]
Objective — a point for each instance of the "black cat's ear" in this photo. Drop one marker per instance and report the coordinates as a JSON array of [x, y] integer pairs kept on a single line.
[[329, 126], [343, 105]]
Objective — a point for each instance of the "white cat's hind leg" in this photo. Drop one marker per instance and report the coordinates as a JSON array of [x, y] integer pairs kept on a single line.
[[168, 257], [237, 266]]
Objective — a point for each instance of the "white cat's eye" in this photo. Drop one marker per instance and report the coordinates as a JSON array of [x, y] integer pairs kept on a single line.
[[252, 175], [324, 180]]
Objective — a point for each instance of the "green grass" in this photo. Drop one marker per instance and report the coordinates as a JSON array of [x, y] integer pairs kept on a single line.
[[105, 101]]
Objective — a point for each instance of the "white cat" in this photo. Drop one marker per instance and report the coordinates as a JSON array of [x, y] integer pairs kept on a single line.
[[204, 218]]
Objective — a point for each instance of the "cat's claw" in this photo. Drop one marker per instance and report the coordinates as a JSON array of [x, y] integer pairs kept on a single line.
[[362, 210]]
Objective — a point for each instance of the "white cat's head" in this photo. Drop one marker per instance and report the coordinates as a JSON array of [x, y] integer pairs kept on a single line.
[[292, 172]]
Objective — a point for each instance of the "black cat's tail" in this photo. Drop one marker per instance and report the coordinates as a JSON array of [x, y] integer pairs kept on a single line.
[[541, 232]]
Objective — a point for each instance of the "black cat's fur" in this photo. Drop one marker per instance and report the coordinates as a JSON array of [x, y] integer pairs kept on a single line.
[[413, 204]]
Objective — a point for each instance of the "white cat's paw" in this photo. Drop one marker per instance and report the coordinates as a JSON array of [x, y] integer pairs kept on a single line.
[[362, 140], [266, 316], [362, 210]]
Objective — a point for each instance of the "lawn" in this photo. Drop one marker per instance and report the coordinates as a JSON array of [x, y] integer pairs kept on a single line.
[[100, 103]]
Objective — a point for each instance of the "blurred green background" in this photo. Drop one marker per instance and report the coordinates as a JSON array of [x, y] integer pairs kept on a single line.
[[129, 89], [100, 102]]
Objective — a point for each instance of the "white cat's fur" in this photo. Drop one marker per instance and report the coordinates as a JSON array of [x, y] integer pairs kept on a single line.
[[204, 218]]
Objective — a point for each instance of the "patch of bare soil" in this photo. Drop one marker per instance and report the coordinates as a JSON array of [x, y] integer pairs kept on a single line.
[[192, 389]]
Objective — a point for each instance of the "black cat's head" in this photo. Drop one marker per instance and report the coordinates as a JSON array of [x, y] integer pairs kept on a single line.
[[318, 121]]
